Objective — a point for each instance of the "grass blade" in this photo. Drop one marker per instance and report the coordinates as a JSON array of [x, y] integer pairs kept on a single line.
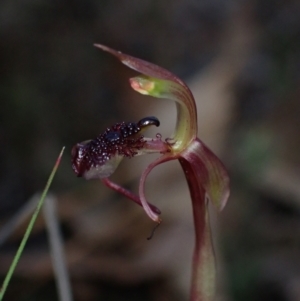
[[29, 228]]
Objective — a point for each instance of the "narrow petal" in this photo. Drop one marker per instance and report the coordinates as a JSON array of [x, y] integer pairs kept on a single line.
[[149, 211], [135, 198]]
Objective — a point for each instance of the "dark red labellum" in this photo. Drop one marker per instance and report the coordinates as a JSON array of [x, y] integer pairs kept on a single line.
[[120, 139]]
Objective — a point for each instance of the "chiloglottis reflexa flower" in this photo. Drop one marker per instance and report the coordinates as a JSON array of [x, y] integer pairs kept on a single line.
[[205, 174]]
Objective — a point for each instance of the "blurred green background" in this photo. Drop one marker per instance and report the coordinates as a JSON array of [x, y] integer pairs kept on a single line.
[[242, 59]]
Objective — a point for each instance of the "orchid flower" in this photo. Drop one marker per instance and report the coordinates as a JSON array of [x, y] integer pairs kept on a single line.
[[206, 176]]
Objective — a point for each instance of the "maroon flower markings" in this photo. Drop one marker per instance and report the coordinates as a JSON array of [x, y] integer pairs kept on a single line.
[[206, 176]]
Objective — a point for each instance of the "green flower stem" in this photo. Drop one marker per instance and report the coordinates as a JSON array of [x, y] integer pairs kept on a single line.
[[203, 267], [29, 228]]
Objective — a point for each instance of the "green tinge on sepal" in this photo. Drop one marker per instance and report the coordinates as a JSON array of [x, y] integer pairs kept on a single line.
[[186, 126], [159, 82]]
